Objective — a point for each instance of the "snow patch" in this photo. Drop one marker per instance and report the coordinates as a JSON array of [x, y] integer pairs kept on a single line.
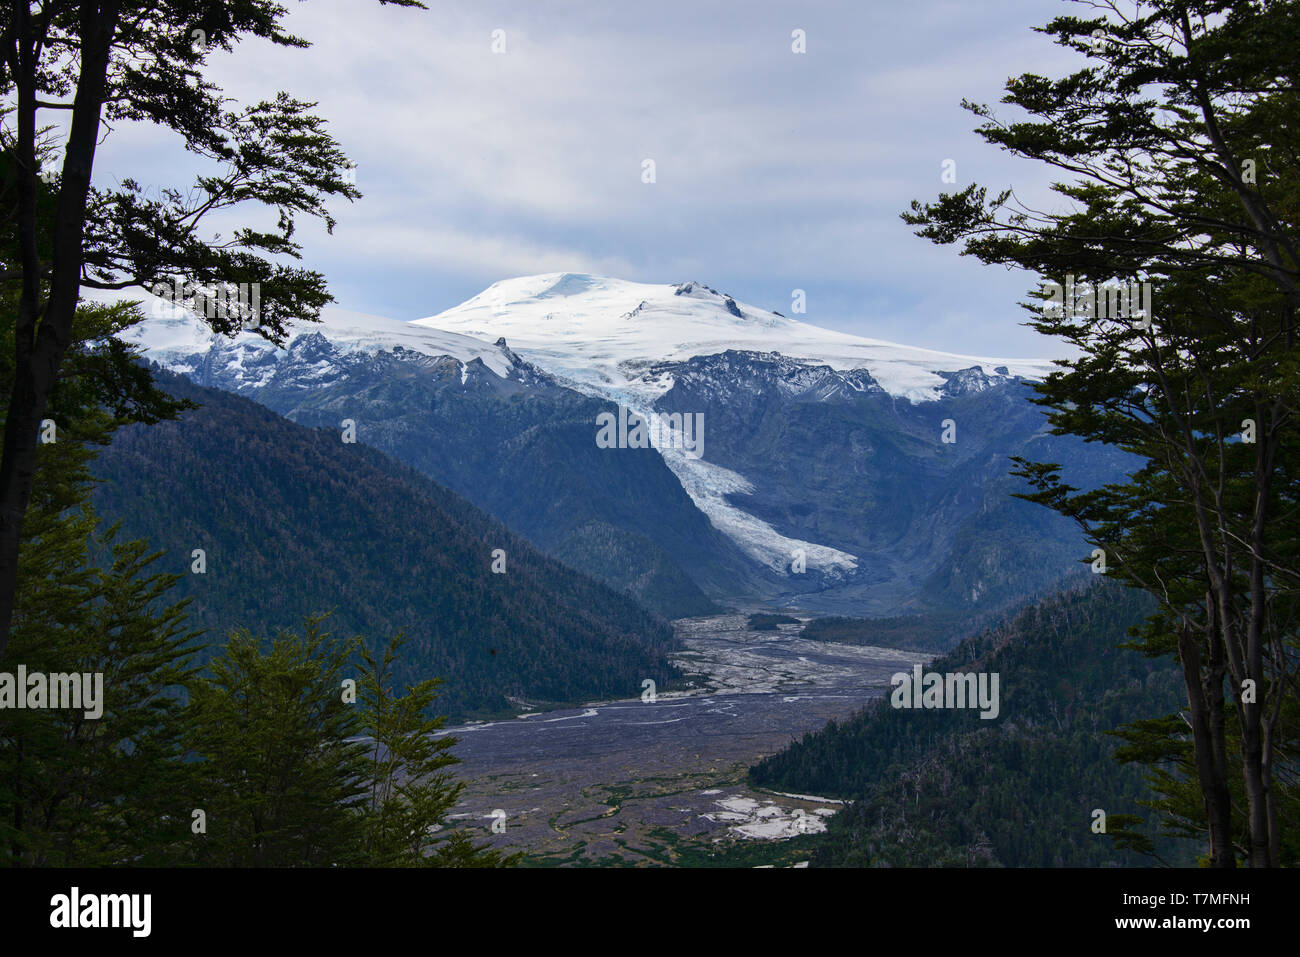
[[172, 335], [767, 821]]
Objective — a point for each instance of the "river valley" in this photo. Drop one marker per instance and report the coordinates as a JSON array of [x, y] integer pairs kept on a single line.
[[662, 781]]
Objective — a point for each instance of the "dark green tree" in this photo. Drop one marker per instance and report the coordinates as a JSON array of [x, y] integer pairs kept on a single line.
[[411, 790], [1182, 139], [282, 781], [100, 790]]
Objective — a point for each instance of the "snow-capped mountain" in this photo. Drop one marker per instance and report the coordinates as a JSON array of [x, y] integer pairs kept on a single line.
[[603, 334], [824, 480], [617, 340]]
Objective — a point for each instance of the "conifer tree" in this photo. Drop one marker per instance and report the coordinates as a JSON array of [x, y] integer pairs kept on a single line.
[[282, 781], [411, 790]]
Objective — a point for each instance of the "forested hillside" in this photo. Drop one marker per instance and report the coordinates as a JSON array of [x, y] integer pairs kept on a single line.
[[293, 521], [932, 631], [946, 787], [521, 448]]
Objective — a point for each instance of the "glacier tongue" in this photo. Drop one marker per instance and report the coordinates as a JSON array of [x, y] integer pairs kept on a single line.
[[708, 484]]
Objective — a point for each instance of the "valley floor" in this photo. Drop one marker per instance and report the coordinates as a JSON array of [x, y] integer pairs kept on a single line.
[[663, 781]]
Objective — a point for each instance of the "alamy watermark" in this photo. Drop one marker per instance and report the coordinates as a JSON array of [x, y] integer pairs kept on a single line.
[[76, 909], [1108, 300], [223, 300], [670, 430], [960, 689], [75, 690]]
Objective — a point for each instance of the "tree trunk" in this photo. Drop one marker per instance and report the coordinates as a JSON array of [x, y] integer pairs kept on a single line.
[[1254, 760], [1214, 785], [39, 347], [26, 408]]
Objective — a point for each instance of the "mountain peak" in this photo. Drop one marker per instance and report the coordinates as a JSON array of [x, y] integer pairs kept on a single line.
[[597, 332], [694, 288]]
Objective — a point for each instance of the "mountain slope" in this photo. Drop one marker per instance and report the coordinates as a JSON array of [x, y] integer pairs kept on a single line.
[[294, 521], [486, 425], [926, 523]]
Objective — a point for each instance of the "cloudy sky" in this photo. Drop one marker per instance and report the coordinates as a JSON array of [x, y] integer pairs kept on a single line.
[[773, 170]]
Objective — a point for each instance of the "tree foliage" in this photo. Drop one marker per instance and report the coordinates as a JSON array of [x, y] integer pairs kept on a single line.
[[101, 63], [78, 790], [1182, 141], [947, 788], [261, 743], [411, 791]]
